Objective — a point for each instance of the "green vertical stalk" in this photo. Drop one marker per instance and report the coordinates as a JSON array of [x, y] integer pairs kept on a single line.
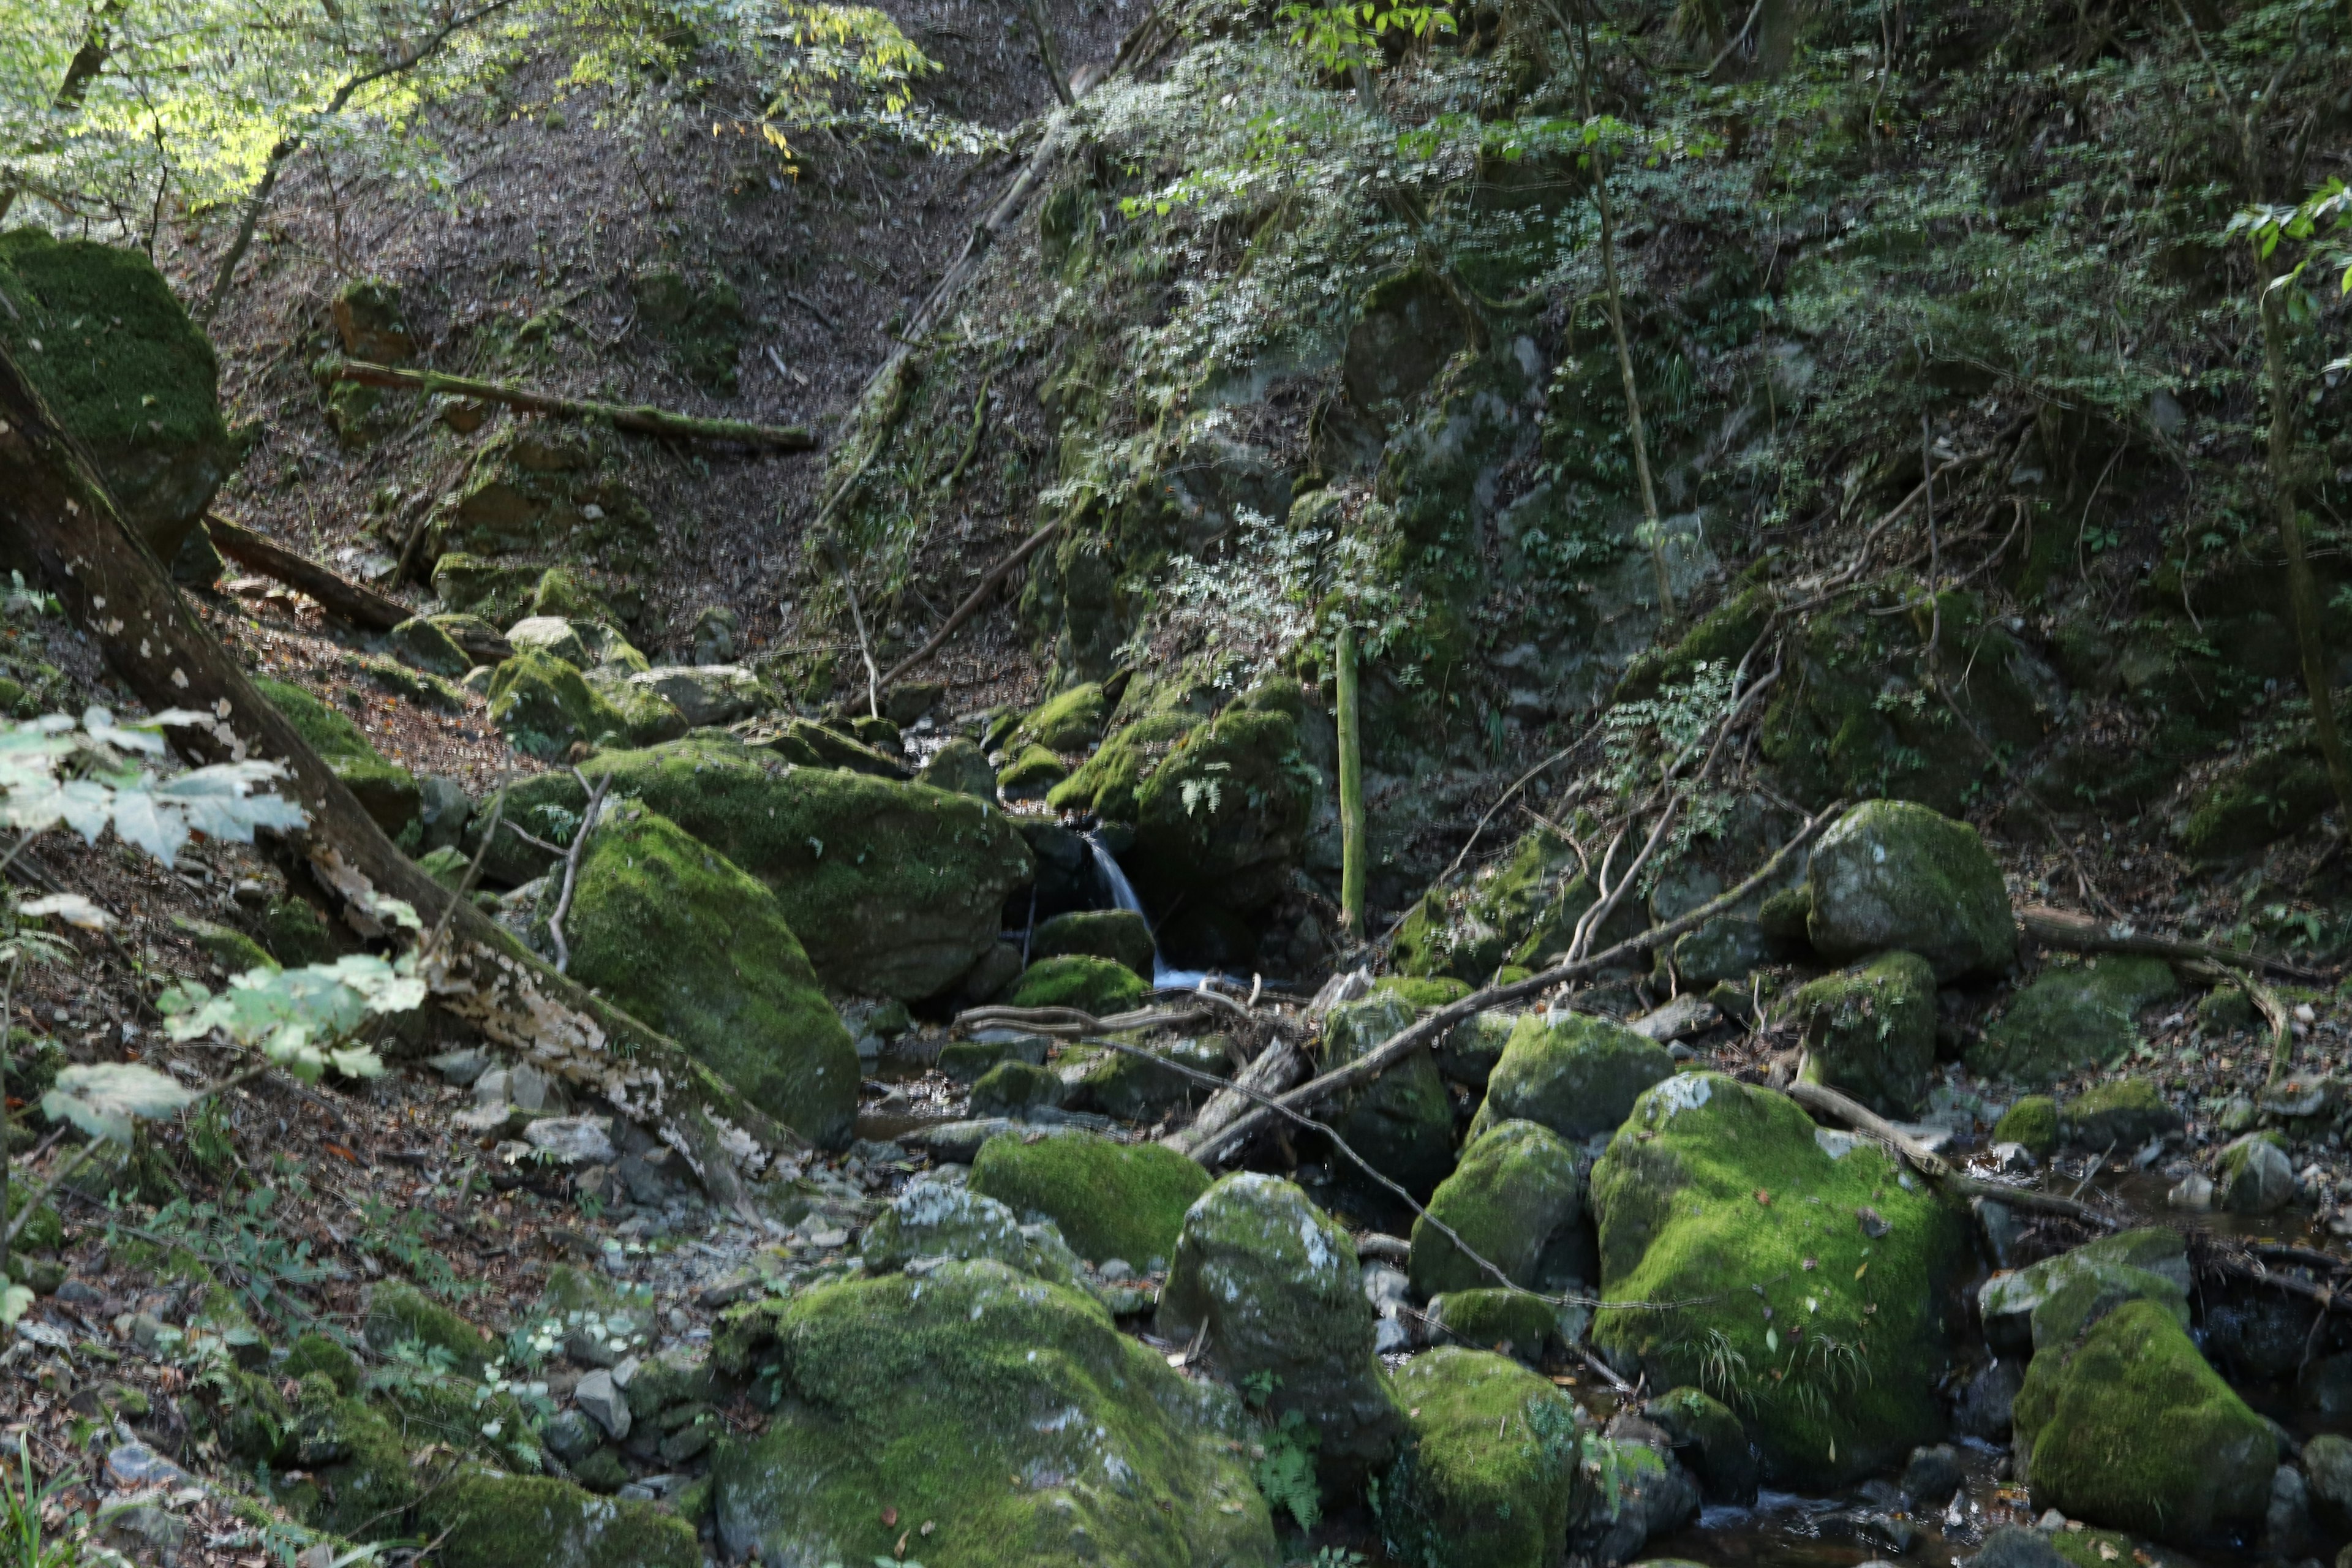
[[1352, 868]]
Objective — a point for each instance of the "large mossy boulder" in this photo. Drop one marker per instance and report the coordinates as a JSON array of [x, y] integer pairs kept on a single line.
[[1580, 1077], [2129, 1428], [2052, 1301], [1069, 722], [102, 337], [1275, 1283], [544, 706], [1402, 1122], [385, 791], [1890, 874], [1223, 818], [2119, 1113], [960, 767], [679, 937], [1723, 1203], [1870, 1031], [2070, 1017], [1106, 783], [893, 889], [1005, 1412], [1110, 1200], [1491, 1471], [481, 1518], [1121, 935], [1518, 1201], [1102, 986]]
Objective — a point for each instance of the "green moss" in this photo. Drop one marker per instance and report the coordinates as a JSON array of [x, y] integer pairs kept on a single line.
[[1015, 1088], [1578, 1077], [429, 648], [2070, 1017], [1111, 1200], [547, 490], [2119, 1113], [1069, 722], [494, 594], [1402, 1122], [1121, 935], [1106, 783], [2031, 1121], [544, 707], [1783, 915], [233, 950], [2131, 1429], [1504, 1321], [978, 1398], [1490, 1470], [704, 326], [295, 933], [807, 745], [482, 1519], [361, 1474], [1723, 635], [681, 938], [2256, 801], [388, 793], [1517, 1200], [1464, 934], [1031, 775], [447, 866], [1870, 1032], [367, 314], [1423, 991], [1101, 987], [1892, 875], [561, 591], [931, 1220], [1708, 1438], [1726, 1201], [960, 767], [400, 1314], [315, 1352], [1223, 816]]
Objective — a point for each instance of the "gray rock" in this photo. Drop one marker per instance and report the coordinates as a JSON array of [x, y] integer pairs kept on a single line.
[[2327, 1475], [2059, 1297], [2286, 1523], [932, 1221], [2255, 1177], [1982, 1410], [2015, 1546], [602, 1400], [705, 694], [1894, 874], [550, 634], [444, 808], [1933, 1475], [574, 1139], [715, 632], [571, 1436]]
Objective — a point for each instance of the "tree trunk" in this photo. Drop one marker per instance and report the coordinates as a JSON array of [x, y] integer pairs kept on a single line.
[[57, 519]]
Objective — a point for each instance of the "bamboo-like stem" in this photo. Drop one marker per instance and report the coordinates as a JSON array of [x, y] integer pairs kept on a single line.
[[1353, 850]]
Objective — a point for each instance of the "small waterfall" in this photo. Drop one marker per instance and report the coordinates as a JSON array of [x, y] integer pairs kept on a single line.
[[1122, 897]]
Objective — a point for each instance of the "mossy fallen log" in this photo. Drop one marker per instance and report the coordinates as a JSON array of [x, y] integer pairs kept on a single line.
[[642, 418]]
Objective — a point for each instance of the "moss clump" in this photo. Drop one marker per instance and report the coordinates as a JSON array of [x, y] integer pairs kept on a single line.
[[2257, 801], [1014, 1089], [233, 950], [2131, 1429], [1111, 1200], [126, 373], [2071, 1017], [2032, 1122], [295, 933], [1892, 875], [678, 936], [1223, 816], [1725, 1200], [483, 1518], [545, 708], [1120, 935], [1031, 775], [417, 642], [2121, 1113], [495, 595], [1578, 1077], [960, 767], [1464, 934], [1870, 1032], [368, 316], [400, 1314], [807, 745], [1069, 722], [1423, 991], [704, 326], [1723, 635], [360, 1472], [1470, 1051], [1490, 1472], [315, 1352], [1504, 1321], [1101, 987], [978, 1397], [1517, 1199], [1106, 783], [387, 792]]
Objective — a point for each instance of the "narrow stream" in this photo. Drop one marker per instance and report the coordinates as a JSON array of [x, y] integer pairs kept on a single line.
[[1122, 896]]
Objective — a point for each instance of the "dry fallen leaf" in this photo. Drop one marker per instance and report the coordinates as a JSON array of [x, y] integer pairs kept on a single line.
[[1763, 1198], [889, 1519]]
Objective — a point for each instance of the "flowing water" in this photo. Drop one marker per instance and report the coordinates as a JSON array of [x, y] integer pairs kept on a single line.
[[1122, 896]]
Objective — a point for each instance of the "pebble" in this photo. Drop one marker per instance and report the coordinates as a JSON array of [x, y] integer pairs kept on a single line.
[[602, 1400]]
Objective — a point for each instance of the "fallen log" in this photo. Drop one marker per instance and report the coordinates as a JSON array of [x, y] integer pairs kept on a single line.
[[340, 596], [971, 603], [2083, 933], [637, 418], [56, 519]]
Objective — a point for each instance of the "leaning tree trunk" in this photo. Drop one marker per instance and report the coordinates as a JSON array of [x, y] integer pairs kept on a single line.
[[55, 516]]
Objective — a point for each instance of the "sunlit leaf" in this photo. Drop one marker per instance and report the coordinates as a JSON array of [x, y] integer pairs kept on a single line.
[[106, 1099], [72, 908]]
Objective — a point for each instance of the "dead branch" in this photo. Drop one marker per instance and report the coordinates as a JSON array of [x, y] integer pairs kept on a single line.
[[639, 419], [571, 865], [337, 594], [2076, 932], [972, 602]]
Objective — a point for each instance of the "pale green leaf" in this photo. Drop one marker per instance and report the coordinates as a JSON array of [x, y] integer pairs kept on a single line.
[[106, 1099], [15, 1301]]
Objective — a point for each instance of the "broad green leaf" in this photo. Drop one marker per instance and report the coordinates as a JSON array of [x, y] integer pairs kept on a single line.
[[106, 1099]]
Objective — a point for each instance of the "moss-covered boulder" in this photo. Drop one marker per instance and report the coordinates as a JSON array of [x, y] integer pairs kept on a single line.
[[1106, 783], [808, 744], [1471, 1049], [1102, 986], [100, 334], [960, 767], [553, 635], [679, 936], [2031, 1123], [1069, 722], [1517, 1200], [1520, 910], [2130, 1428], [1145, 1088], [400, 1314], [1110, 1200], [1578, 1076], [1031, 775], [2052, 1301], [1725, 1201], [1507, 1322], [893, 889], [422, 645], [385, 791], [544, 707], [1122, 936], [1223, 818], [932, 1220], [1015, 1088], [1870, 1032], [546, 490], [2121, 1113], [2258, 800], [2254, 1176], [2070, 1017], [1709, 1441], [648, 717], [1402, 1122], [1005, 1412], [1890, 874], [1275, 1282], [490, 592], [1490, 1474], [481, 1518]]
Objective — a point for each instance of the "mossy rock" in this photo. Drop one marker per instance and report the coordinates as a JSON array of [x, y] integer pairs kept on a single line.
[[963, 1061], [1222, 818], [400, 1314], [1101, 987], [544, 707], [1069, 722], [1275, 1282], [234, 951], [561, 591], [359, 1470], [1870, 1031], [703, 324], [1406, 329], [679, 937], [1402, 1122], [315, 1352], [482, 1519], [545, 490], [807, 745], [932, 1220], [1014, 1089], [387, 792], [2070, 1017], [1725, 1200], [974, 1396], [295, 933], [1578, 1077], [369, 319], [421, 643], [126, 373], [2032, 1123], [1110, 1200], [1106, 783], [1517, 1200], [1423, 991], [893, 889], [1784, 916], [648, 719], [1504, 1321], [1490, 1474], [1031, 775], [2052, 1301], [1120, 935], [1473, 1047], [1140, 1088], [493, 593], [2258, 800], [960, 767], [2130, 1428], [1890, 874], [1722, 637], [2124, 1113], [1464, 934], [1709, 1440]]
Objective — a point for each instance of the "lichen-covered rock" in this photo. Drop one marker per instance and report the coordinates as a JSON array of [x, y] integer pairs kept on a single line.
[[2052, 1301], [2070, 1017], [1120, 935], [1015, 1088], [1517, 1200], [1490, 1474], [1110, 1200], [1725, 1200], [1578, 1076], [1870, 1032], [1102, 986], [1223, 818], [1275, 1282], [1402, 1122], [126, 373], [385, 791], [2129, 1428], [481, 1518], [419, 642], [553, 635], [960, 767], [2121, 1113], [2254, 1176], [646, 718], [1709, 1440], [1006, 1411], [932, 1220], [1890, 874], [893, 889], [679, 937], [1069, 722], [544, 707]]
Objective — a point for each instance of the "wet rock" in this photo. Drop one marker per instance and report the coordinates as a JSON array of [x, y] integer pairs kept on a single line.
[[1517, 1200], [2286, 1523], [1110, 1200], [2017, 1546], [2327, 1473], [1031, 775], [387, 792], [2071, 1017], [931, 1220], [2253, 1176], [1578, 1076], [1932, 1475], [2031, 1123], [1122, 936], [1653, 1496], [1490, 1470], [1709, 1442], [1982, 1410], [2256, 1333], [960, 767], [1276, 1284], [1101, 987], [1402, 1122], [2055, 1299], [1870, 1031], [1895, 875]]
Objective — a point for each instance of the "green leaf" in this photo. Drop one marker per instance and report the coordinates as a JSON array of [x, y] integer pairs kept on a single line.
[[104, 1099], [15, 1301]]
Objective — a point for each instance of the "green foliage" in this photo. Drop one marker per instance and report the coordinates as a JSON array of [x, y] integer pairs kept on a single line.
[[294, 1017], [87, 775], [1336, 40], [1282, 1463], [25, 1507]]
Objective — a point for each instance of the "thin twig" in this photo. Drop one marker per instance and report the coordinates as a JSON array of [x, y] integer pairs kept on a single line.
[[571, 864], [466, 883]]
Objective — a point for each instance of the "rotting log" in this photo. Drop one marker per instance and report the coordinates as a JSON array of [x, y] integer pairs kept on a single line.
[[339, 596], [639, 419], [2076, 932], [56, 519]]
